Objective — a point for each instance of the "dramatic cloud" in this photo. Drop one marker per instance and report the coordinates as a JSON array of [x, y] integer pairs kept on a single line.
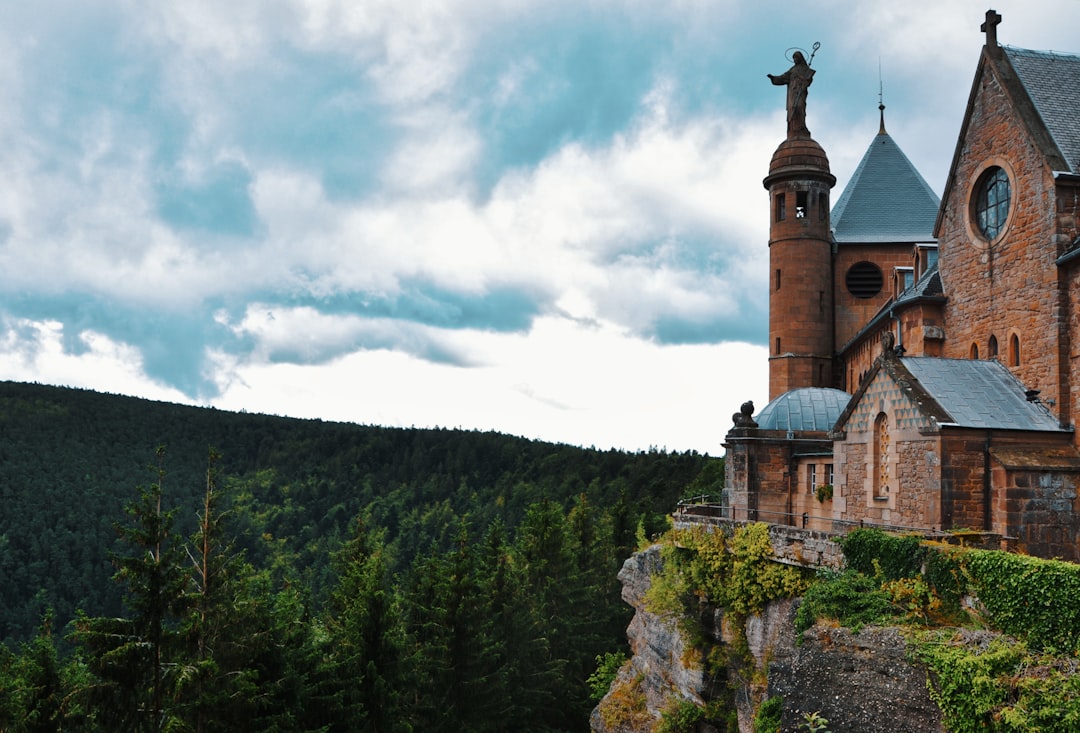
[[543, 218]]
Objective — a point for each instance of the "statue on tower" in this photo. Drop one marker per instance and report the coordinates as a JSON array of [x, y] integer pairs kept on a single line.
[[798, 79]]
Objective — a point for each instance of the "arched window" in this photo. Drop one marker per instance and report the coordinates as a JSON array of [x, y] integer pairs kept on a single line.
[[992, 349], [1014, 350], [974, 353], [882, 476]]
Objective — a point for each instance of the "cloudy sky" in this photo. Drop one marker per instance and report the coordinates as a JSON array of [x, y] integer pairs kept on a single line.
[[542, 217]]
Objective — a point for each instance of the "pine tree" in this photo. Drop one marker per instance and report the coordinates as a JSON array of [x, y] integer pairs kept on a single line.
[[130, 658], [366, 637]]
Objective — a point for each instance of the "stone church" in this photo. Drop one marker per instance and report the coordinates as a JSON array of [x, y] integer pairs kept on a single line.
[[923, 367]]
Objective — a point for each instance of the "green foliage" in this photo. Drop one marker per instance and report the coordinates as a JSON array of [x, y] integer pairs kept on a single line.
[[736, 574], [945, 575], [851, 598], [968, 678], [769, 713], [824, 493], [608, 665], [1037, 600], [897, 556], [680, 716], [814, 723]]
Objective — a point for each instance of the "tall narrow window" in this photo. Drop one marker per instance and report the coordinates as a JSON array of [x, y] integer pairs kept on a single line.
[[781, 207], [882, 440], [811, 478], [974, 353], [829, 474], [992, 348], [777, 344], [778, 278], [1014, 350], [801, 204]]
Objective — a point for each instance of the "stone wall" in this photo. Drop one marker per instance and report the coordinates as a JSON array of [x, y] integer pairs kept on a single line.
[[1006, 287], [792, 545]]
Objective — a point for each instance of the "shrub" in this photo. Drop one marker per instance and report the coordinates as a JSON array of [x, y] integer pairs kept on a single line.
[[767, 719], [607, 669], [679, 716], [897, 556], [853, 599]]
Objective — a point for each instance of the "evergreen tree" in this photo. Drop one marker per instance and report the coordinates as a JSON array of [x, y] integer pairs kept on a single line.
[[130, 657], [32, 685], [366, 638], [522, 681]]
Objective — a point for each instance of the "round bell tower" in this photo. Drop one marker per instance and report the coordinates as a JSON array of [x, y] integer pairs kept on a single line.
[[801, 334]]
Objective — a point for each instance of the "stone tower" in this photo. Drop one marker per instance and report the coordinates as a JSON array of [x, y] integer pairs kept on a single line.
[[801, 330]]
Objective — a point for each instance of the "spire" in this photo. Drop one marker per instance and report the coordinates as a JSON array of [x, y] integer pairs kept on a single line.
[[881, 99]]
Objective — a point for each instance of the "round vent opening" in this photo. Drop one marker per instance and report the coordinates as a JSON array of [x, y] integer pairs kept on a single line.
[[864, 280]]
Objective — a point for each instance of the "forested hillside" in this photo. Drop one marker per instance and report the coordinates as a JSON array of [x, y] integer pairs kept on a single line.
[[373, 563]]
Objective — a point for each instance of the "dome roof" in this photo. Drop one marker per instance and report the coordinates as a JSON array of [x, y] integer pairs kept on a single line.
[[809, 408], [799, 157]]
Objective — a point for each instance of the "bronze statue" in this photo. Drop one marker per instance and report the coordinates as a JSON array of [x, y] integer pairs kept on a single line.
[[798, 79]]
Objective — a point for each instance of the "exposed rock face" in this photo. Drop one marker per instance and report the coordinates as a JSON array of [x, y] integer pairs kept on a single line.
[[658, 669], [859, 682]]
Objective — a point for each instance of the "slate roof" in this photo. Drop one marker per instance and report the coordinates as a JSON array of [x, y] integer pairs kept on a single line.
[[979, 394], [808, 408], [929, 285], [1052, 81], [886, 200]]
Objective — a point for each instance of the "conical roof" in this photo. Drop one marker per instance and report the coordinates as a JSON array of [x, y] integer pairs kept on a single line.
[[886, 200]]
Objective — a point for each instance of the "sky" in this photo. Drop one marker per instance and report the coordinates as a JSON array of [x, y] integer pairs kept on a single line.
[[540, 217]]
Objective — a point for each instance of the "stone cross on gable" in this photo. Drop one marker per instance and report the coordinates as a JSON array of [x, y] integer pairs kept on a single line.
[[989, 27]]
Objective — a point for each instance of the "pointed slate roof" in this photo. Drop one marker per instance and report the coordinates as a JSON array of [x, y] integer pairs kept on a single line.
[[1052, 81], [886, 200]]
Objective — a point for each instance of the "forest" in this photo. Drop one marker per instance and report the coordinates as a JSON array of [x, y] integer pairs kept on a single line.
[[174, 568]]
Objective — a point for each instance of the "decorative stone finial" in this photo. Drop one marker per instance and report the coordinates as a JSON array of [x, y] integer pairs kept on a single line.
[[744, 418]]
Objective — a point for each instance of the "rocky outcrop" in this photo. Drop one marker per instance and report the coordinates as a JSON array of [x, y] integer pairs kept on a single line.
[[860, 682], [659, 669]]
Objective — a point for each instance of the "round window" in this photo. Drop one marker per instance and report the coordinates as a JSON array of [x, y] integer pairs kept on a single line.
[[864, 280], [992, 197]]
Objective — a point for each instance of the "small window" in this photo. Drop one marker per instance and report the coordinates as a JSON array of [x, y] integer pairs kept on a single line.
[[778, 278], [829, 474], [781, 207], [882, 444], [1014, 350], [811, 478], [801, 204], [974, 352], [777, 344], [992, 348]]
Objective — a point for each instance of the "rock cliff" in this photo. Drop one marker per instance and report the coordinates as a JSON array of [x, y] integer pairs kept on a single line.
[[860, 682]]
